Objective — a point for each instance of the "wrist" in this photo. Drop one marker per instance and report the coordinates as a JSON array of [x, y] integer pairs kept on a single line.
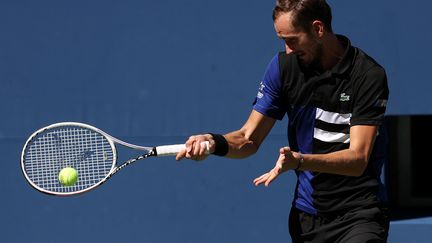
[[300, 161], [221, 144]]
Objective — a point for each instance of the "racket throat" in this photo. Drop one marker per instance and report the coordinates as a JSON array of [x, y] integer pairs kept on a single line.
[[131, 161]]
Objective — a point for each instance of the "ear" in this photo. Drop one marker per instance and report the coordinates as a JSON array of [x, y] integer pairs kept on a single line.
[[318, 28]]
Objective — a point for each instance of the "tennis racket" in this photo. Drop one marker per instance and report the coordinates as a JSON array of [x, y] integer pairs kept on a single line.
[[87, 149]]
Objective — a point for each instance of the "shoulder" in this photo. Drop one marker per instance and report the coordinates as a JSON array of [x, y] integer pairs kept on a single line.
[[281, 66], [365, 65], [369, 76]]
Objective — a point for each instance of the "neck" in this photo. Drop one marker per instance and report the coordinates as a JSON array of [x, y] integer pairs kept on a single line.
[[333, 51]]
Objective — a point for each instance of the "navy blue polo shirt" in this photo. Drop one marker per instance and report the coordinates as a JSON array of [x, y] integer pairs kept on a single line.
[[321, 107]]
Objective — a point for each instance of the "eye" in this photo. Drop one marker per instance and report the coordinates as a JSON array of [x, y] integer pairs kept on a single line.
[[290, 41]]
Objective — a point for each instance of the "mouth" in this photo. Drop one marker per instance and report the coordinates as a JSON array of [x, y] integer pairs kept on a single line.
[[302, 57], [300, 54]]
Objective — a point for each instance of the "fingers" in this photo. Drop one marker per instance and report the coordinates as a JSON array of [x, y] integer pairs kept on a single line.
[[204, 148], [196, 149], [273, 175], [286, 160], [260, 179], [280, 167], [183, 153], [284, 150], [180, 155], [268, 177]]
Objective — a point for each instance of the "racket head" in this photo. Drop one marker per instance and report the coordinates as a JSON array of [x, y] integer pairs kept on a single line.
[[85, 148]]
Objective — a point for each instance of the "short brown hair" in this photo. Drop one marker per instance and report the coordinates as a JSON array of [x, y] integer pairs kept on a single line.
[[305, 12]]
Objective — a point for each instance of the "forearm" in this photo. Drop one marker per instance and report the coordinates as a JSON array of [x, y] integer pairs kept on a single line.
[[239, 145], [347, 162], [247, 140]]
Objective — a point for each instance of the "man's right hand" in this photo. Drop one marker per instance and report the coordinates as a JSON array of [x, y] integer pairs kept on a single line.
[[196, 148]]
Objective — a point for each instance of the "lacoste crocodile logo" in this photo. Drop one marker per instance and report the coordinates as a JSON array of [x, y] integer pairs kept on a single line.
[[344, 97]]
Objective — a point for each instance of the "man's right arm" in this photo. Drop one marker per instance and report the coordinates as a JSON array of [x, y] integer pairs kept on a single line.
[[241, 143]]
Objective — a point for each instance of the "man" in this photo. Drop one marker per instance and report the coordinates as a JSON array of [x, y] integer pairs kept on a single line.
[[335, 97]]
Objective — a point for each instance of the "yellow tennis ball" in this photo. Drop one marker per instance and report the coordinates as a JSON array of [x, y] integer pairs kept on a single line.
[[68, 176]]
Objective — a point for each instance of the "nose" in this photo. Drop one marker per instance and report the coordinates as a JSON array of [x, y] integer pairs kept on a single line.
[[288, 50]]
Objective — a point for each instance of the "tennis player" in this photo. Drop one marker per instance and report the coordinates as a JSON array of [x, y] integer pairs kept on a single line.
[[335, 98]]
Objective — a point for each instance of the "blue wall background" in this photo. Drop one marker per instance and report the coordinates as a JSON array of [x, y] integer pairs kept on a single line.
[[155, 72]]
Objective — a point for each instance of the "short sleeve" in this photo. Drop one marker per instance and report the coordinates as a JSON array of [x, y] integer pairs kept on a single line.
[[372, 94], [268, 100]]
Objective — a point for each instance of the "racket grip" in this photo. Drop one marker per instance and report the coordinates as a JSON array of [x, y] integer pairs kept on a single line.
[[172, 150]]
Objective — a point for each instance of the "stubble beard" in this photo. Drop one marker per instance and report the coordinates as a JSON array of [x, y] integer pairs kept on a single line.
[[316, 60]]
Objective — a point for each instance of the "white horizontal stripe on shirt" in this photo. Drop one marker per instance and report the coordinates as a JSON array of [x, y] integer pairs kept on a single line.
[[332, 117], [331, 137]]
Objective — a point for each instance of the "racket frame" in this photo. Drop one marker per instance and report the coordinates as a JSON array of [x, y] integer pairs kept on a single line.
[[111, 140]]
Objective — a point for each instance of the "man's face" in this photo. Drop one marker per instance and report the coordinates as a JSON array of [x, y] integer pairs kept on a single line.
[[304, 44]]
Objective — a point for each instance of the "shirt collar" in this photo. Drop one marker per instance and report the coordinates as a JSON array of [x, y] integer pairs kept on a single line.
[[348, 57]]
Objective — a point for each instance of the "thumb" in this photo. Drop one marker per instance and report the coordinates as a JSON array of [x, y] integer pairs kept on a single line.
[[284, 150]]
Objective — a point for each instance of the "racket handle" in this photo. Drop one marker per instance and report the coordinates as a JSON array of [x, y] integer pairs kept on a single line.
[[172, 150]]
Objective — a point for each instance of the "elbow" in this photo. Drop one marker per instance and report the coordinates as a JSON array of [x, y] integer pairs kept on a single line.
[[360, 167], [254, 147]]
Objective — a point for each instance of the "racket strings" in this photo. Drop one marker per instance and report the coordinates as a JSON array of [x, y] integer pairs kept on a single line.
[[83, 149]]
